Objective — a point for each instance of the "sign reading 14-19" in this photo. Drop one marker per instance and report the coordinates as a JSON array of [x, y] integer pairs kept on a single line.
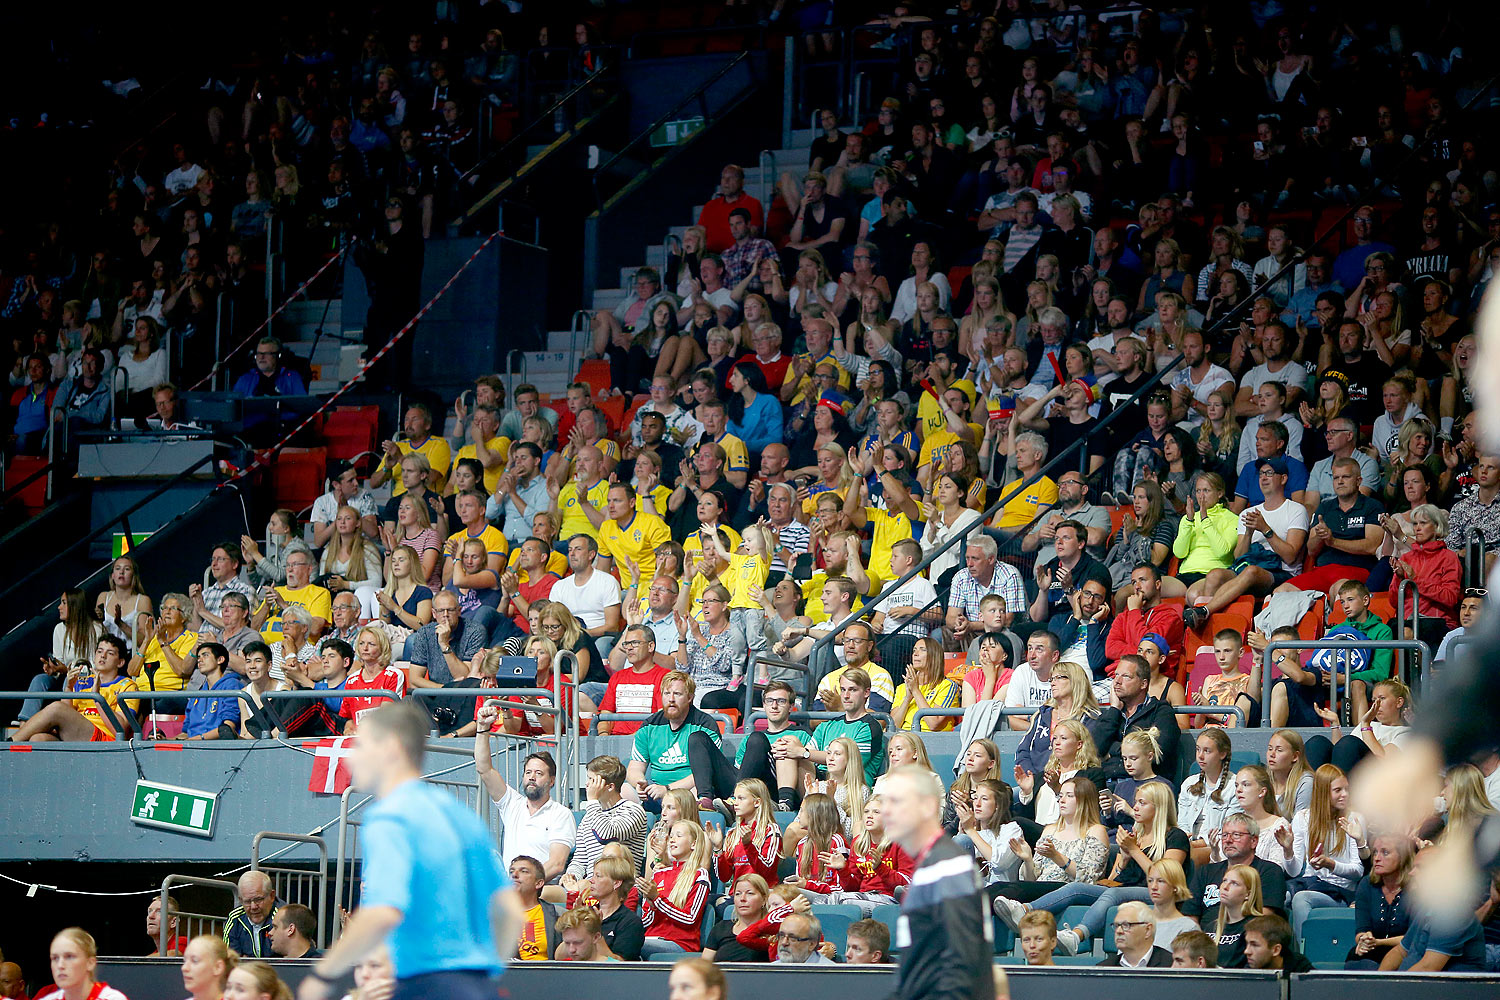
[[172, 807]]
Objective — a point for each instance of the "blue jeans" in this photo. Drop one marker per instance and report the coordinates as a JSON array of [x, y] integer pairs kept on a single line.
[[41, 682], [660, 949], [1100, 899]]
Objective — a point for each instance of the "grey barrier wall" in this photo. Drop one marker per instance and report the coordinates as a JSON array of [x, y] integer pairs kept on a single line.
[[157, 978]]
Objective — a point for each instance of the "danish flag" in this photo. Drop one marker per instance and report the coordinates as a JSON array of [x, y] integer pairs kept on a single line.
[[330, 770]]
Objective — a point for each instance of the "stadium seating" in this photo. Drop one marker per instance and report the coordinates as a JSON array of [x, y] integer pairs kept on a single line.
[[1327, 936]]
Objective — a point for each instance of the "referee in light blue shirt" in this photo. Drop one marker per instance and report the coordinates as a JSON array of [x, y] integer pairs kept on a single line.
[[434, 890]]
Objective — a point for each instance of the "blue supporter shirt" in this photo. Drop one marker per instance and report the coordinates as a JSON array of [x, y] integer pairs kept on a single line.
[[204, 715], [432, 859]]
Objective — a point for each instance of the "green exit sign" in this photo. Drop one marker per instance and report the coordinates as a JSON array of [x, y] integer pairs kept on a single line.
[[675, 133], [121, 546], [171, 807]]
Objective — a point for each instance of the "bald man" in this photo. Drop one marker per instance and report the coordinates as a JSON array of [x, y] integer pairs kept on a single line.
[[944, 932], [12, 982]]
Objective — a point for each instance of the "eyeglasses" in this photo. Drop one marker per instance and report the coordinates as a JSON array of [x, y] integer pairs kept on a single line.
[[631, 644], [1123, 925], [784, 936], [776, 701], [1476, 592]]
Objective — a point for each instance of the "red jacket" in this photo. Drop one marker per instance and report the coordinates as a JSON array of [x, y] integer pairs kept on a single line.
[[879, 873], [1131, 626], [681, 925], [1439, 577], [746, 858], [819, 878]]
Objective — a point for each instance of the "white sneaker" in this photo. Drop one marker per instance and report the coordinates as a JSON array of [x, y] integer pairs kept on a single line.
[[1067, 941], [1010, 911]]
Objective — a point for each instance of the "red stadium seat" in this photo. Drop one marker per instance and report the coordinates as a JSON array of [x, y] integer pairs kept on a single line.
[[596, 374], [351, 431], [298, 475], [32, 497], [613, 408]]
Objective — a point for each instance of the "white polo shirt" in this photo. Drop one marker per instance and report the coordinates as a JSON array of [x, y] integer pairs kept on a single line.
[[533, 836]]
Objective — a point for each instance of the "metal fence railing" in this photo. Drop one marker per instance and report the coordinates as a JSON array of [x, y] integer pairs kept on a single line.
[[1412, 679], [191, 923], [293, 884]]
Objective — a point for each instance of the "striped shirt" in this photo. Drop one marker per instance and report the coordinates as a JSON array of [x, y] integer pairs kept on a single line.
[[625, 822]]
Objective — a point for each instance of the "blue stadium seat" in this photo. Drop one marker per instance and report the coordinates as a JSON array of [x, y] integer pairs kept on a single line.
[[784, 819], [710, 817], [888, 914], [1005, 938], [709, 919], [1108, 937], [1074, 915], [836, 918], [1327, 936]]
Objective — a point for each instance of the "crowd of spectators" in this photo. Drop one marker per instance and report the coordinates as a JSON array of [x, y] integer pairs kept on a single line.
[[1048, 209], [136, 273]]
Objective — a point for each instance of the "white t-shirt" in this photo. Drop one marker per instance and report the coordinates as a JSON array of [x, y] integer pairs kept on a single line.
[[1283, 519], [917, 592], [588, 601], [1025, 690], [1247, 438], [1293, 375], [533, 836], [1182, 378]]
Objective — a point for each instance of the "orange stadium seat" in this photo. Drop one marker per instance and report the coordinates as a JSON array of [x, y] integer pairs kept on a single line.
[[596, 374]]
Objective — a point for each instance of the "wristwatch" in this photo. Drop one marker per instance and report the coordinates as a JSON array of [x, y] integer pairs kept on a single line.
[[807, 753]]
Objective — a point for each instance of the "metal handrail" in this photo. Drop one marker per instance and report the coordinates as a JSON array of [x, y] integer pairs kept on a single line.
[[1467, 639], [166, 914], [644, 134], [122, 516], [1407, 583], [104, 707], [239, 694], [1234, 710], [298, 838], [1371, 645], [754, 683]]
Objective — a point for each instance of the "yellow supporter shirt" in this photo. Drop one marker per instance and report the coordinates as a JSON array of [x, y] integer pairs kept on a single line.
[[930, 415], [574, 520], [845, 380], [89, 708], [491, 476], [634, 543], [317, 601], [659, 497], [812, 591], [494, 542], [556, 563], [694, 542], [745, 572], [736, 455], [816, 490], [164, 678], [1026, 504], [435, 449], [934, 447], [887, 527]]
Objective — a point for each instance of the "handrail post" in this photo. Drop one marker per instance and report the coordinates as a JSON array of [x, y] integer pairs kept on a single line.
[[1335, 647]]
